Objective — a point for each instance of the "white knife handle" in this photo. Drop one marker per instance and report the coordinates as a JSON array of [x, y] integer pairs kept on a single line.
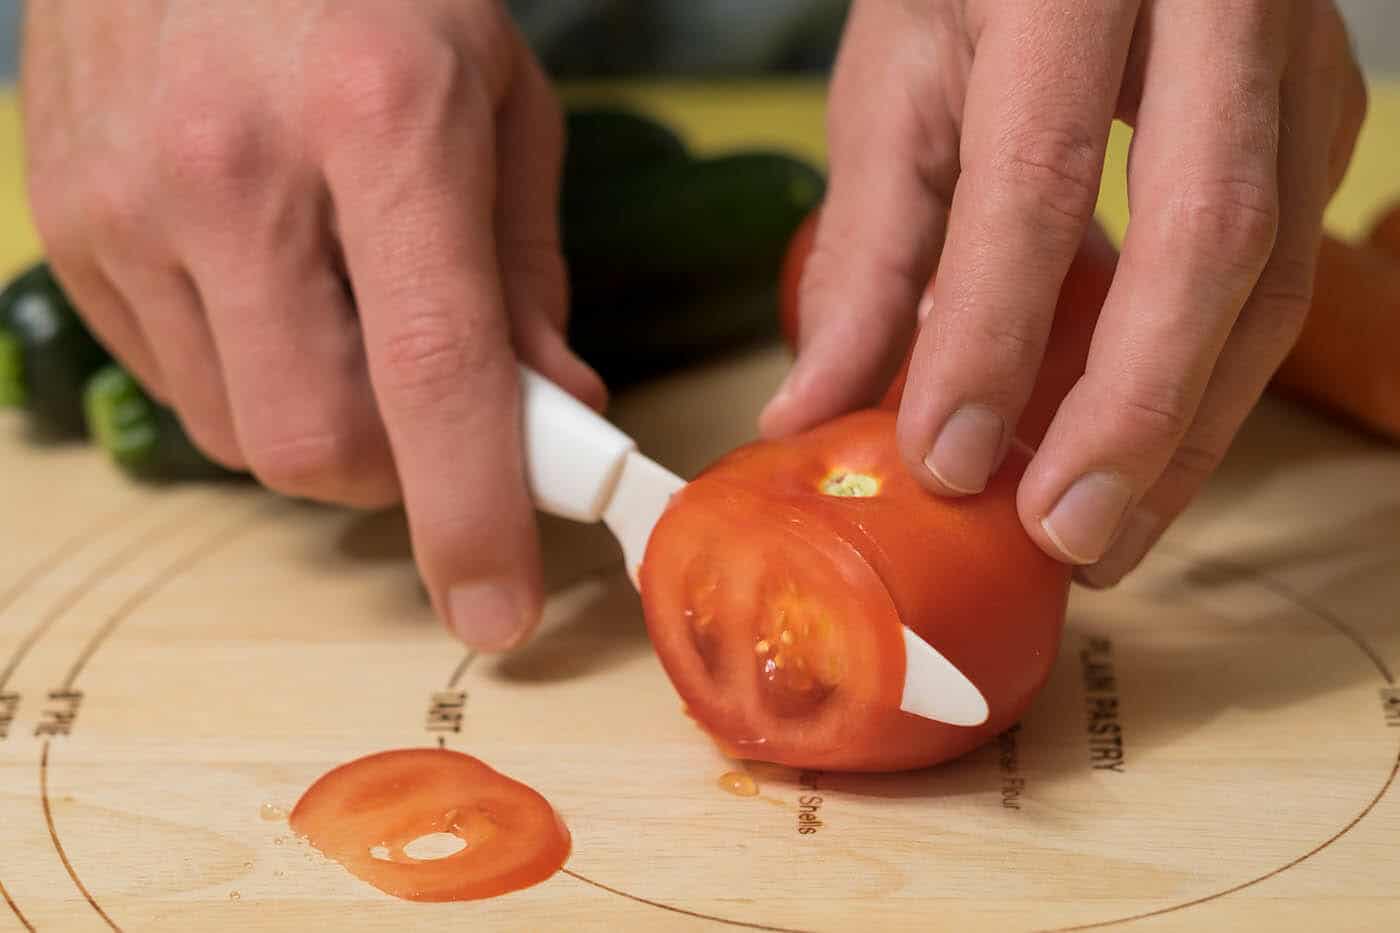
[[573, 455]]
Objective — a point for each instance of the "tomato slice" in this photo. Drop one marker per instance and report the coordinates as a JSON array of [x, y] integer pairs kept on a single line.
[[367, 813], [780, 651], [775, 585]]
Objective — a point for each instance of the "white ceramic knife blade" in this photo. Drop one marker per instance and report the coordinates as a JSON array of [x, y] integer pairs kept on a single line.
[[582, 467]]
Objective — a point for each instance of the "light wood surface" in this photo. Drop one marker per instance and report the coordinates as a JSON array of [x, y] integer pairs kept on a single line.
[[222, 648], [210, 651]]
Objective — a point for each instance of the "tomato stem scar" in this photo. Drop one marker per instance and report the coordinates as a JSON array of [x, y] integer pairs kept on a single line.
[[850, 484]]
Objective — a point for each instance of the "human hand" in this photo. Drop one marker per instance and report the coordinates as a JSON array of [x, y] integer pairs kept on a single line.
[[968, 135], [322, 233]]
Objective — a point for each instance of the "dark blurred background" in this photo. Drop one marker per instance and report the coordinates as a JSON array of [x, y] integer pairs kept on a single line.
[[609, 38], [729, 38]]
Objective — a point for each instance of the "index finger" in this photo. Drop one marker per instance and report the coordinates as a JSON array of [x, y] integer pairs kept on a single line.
[[1040, 102], [418, 233]]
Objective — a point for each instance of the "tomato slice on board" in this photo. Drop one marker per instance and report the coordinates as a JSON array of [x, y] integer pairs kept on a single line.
[[365, 814], [775, 584]]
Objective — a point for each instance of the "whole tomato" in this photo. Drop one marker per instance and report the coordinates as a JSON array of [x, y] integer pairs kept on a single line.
[[790, 276], [776, 584], [1384, 234]]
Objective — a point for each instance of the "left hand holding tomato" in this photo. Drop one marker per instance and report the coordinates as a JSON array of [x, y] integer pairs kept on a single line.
[[968, 135]]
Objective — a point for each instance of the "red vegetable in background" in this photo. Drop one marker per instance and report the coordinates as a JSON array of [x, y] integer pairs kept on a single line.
[[1345, 360], [1081, 297], [1385, 232]]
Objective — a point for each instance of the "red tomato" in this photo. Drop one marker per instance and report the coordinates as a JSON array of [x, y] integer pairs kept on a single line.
[[775, 585], [1082, 295], [386, 801], [1081, 298], [1385, 232], [790, 281]]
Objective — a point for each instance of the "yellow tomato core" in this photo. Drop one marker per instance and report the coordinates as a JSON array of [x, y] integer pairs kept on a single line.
[[851, 484]]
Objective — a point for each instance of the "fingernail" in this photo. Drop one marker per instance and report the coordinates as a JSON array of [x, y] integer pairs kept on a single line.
[[966, 450], [1123, 556], [780, 397], [778, 402], [485, 615], [1086, 519], [925, 308]]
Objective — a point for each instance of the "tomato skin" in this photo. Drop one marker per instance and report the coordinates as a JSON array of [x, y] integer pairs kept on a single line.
[[1082, 294], [1384, 233], [790, 276], [1081, 298], [961, 573]]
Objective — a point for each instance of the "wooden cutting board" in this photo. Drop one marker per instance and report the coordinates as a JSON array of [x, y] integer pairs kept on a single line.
[[178, 664]]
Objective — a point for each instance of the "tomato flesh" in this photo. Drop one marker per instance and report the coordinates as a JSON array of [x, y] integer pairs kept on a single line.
[[783, 625], [798, 651]]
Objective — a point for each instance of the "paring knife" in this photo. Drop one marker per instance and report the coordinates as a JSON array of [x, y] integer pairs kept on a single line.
[[581, 467]]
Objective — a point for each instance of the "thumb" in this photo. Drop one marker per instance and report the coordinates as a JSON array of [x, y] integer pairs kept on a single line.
[[892, 168]]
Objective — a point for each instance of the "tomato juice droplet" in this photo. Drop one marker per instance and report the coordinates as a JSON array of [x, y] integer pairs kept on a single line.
[[430, 824], [739, 784]]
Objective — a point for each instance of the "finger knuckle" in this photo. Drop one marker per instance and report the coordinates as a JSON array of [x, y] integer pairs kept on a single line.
[[1287, 285], [1009, 339], [1233, 220], [893, 283], [112, 202], [1156, 413], [1053, 172], [202, 147], [1279, 307], [1194, 463], [306, 464], [214, 437], [426, 359], [384, 79], [932, 153]]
